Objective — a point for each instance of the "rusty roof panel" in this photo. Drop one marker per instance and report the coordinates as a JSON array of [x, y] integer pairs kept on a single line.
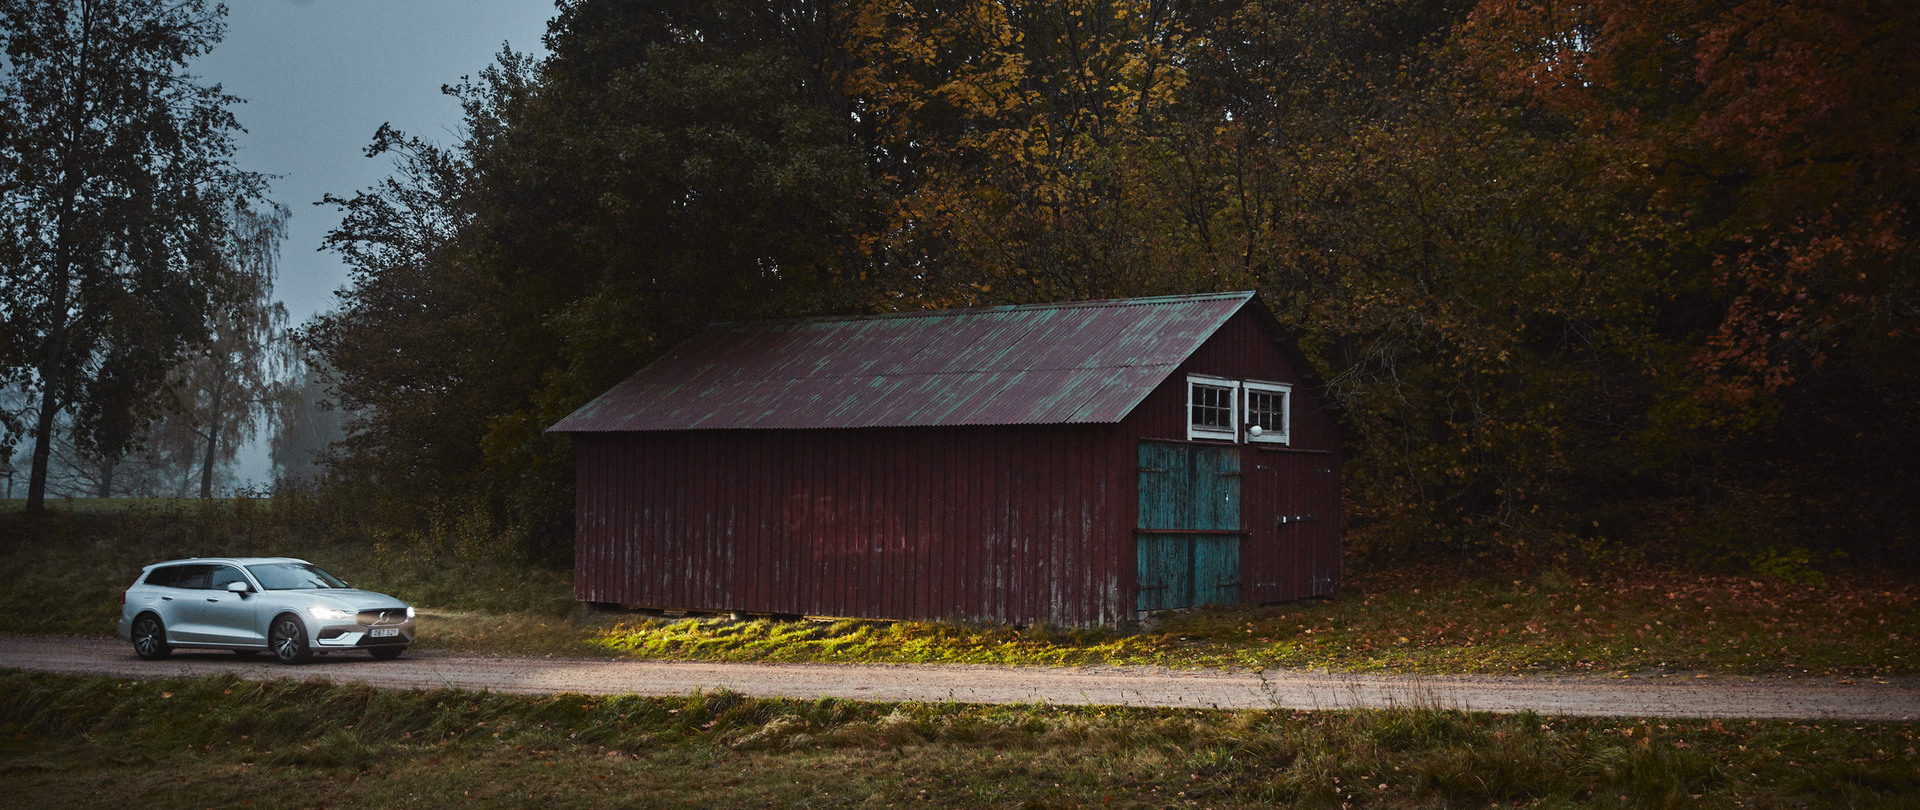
[[1084, 362]]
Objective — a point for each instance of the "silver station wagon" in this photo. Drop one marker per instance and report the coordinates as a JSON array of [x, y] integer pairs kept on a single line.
[[285, 606]]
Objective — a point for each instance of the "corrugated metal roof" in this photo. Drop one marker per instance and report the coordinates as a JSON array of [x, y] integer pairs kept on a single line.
[[1085, 362]]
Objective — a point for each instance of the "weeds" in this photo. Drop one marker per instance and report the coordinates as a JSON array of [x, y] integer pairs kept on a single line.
[[83, 554], [75, 741], [473, 599], [1650, 622]]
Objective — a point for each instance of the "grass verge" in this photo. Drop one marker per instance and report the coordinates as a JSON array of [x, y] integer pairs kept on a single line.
[[72, 741], [1430, 621], [1650, 622], [81, 555]]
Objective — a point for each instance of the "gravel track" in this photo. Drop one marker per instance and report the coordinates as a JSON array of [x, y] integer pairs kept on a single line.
[[1723, 697]]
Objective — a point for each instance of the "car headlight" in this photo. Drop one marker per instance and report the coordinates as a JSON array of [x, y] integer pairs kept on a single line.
[[409, 611], [329, 614]]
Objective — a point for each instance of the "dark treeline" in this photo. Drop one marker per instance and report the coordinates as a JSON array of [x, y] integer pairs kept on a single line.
[[1581, 276]]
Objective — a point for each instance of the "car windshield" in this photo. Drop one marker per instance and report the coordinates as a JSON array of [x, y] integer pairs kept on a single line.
[[289, 576]]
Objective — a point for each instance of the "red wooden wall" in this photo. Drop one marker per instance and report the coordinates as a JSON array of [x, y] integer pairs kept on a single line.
[[1016, 524], [1013, 523]]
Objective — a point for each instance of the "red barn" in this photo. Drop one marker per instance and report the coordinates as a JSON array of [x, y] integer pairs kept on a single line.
[[1066, 463]]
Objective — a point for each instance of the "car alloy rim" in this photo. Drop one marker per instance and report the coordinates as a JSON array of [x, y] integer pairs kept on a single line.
[[284, 643], [144, 637]]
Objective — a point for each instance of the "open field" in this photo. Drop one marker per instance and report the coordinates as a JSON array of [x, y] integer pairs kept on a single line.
[[1648, 622], [73, 741]]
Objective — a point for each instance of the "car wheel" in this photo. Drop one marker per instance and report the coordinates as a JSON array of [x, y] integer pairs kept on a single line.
[[386, 653], [150, 638], [288, 641]]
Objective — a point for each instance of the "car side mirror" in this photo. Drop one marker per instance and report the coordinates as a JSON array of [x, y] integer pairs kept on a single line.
[[239, 588]]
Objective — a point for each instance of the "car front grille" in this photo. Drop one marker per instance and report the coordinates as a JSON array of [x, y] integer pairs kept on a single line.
[[388, 616]]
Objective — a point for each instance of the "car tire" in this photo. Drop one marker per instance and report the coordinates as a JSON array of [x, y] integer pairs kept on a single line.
[[287, 639], [150, 638], [385, 653]]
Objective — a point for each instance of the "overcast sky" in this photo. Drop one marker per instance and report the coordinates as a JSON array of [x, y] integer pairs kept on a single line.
[[319, 77]]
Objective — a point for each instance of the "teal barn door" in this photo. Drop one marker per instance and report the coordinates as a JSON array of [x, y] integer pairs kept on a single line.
[[1189, 532]]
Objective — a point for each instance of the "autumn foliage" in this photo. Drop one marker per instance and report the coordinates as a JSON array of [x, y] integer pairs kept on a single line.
[[1581, 276]]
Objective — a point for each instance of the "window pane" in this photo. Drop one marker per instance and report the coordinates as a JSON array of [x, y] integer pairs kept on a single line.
[[1263, 409], [293, 577], [192, 577], [223, 575], [1212, 406], [1267, 408]]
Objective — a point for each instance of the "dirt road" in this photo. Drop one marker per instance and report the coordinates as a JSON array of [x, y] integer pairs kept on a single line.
[[1725, 697]]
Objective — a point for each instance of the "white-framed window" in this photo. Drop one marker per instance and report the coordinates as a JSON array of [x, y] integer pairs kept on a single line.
[[1213, 410], [1266, 407]]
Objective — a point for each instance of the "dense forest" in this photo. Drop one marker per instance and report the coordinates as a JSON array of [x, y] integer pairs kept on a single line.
[[1580, 276]]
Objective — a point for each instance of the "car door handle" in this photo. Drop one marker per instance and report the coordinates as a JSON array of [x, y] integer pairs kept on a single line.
[[166, 598], [212, 599]]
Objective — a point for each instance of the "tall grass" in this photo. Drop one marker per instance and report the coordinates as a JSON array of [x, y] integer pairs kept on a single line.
[[463, 572], [1648, 622], [80, 555], [73, 741]]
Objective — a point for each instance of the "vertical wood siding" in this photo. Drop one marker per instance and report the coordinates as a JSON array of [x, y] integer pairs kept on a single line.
[[1009, 523], [1016, 524]]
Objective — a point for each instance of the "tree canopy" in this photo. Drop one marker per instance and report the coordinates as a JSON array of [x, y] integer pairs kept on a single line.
[[116, 186], [1614, 270]]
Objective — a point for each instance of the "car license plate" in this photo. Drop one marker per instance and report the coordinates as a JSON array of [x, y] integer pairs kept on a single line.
[[385, 632]]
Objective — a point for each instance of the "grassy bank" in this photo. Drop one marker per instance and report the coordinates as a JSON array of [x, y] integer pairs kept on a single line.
[[1429, 621], [1650, 622], [81, 555], [92, 742]]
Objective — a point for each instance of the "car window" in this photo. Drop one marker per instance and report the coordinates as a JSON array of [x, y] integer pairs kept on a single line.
[[191, 577], [224, 574], [293, 577], [163, 576]]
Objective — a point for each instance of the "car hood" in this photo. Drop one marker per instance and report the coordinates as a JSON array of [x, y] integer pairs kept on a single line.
[[352, 599]]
